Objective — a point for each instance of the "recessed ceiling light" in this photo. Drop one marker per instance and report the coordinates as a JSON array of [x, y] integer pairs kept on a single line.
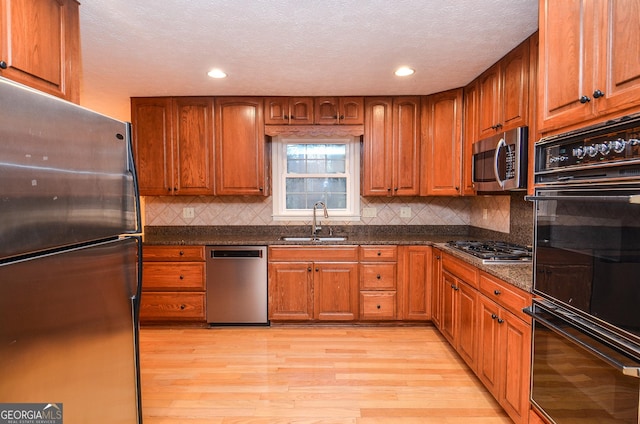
[[404, 71], [216, 73]]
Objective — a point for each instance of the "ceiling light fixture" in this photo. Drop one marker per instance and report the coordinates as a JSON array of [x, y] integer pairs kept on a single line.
[[216, 73], [404, 71]]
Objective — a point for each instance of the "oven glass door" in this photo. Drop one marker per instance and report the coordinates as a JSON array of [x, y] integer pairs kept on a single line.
[[579, 378], [587, 253]]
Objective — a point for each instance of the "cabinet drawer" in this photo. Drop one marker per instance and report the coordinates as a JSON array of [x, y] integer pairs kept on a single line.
[[318, 254], [378, 253], [173, 253], [378, 305], [505, 295], [173, 276], [464, 271], [172, 306], [378, 276]]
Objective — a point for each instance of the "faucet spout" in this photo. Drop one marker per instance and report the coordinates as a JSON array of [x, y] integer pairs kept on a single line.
[[314, 223]]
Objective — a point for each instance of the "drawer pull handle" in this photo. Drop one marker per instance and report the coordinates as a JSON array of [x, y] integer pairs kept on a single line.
[[379, 253], [182, 277], [378, 306], [181, 252], [496, 292], [182, 307], [378, 276]]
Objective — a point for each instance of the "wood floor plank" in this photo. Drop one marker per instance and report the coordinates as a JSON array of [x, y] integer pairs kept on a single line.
[[310, 375]]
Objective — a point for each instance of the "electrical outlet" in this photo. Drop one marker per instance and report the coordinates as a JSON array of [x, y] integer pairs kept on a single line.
[[405, 212], [369, 212], [188, 213]]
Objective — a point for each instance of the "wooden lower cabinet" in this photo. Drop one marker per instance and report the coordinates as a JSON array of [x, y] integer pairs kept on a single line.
[[313, 283], [415, 275], [481, 316], [378, 283], [173, 284]]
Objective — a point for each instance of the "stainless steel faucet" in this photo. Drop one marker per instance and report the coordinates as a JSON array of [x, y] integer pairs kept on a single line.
[[314, 224]]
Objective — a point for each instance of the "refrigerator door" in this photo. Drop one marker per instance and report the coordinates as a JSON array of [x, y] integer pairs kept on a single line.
[[66, 174], [68, 332]]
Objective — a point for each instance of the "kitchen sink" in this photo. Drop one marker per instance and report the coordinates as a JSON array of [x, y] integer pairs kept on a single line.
[[314, 239]]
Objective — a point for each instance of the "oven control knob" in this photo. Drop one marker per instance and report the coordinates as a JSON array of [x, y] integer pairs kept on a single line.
[[579, 152], [603, 148], [591, 151], [618, 145]]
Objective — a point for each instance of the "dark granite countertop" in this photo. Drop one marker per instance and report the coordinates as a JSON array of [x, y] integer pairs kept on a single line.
[[519, 275]]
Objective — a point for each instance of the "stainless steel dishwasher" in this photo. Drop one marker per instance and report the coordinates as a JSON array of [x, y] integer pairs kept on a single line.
[[237, 285]]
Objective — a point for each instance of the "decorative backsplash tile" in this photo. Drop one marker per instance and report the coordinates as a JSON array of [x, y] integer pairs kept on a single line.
[[239, 210]]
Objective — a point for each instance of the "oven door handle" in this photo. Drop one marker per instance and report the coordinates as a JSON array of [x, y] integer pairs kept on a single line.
[[631, 199], [496, 172], [630, 370]]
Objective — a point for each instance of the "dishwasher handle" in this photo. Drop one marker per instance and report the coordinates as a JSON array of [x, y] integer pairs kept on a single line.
[[245, 253]]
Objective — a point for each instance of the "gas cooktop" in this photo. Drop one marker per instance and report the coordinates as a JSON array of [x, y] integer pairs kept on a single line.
[[494, 252]]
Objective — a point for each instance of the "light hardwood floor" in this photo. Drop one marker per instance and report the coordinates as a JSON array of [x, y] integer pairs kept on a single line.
[[363, 375]]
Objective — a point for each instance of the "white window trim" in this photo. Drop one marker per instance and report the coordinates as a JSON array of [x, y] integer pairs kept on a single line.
[[279, 162]]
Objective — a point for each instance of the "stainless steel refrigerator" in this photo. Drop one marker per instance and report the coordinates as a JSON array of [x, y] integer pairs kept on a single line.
[[69, 260]]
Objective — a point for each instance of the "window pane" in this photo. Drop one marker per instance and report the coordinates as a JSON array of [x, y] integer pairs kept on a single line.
[[297, 201], [337, 201], [295, 185], [316, 158]]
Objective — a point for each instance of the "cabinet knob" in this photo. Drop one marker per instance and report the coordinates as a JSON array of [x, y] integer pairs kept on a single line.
[[182, 277], [378, 306], [379, 253], [500, 320], [597, 94], [438, 257], [182, 307], [494, 316], [309, 269], [341, 117], [3, 64], [378, 276], [585, 99], [182, 253], [317, 269], [496, 292], [287, 117], [260, 188]]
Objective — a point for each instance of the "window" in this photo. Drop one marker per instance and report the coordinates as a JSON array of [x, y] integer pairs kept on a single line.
[[306, 171]]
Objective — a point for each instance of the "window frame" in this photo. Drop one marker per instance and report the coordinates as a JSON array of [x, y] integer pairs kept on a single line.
[[279, 175]]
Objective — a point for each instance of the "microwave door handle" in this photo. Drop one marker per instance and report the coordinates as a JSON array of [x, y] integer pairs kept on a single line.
[[632, 199], [500, 144], [630, 370]]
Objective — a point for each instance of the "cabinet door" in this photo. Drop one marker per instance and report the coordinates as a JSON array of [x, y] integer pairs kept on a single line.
[[514, 80], [470, 136], [467, 324], [240, 145], [193, 145], [448, 320], [437, 289], [566, 67], [377, 147], [276, 110], [290, 293], [442, 144], [618, 66], [351, 110], [488, 366], [415, 276], [406, 146], [152, 145], [515, 347], [488, 99], [301, 110], [326, 110], [335, 289], [40, 45]]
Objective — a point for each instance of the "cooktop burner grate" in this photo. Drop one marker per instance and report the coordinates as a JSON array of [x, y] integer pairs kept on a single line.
[[494, 251]]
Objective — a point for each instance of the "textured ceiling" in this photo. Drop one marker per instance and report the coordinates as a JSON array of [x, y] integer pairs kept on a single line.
[[290, 47]]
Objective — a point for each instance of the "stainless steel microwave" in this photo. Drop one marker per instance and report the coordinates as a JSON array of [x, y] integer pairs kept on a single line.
[[500, 161]]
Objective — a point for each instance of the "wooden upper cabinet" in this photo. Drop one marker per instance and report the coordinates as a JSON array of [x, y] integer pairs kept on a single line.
[[288, 110], [173, 145], [391, 149], [240, 146], [503, 93], [469, 136], [40, 45], [441, 143], [589, 67], [339, 110]]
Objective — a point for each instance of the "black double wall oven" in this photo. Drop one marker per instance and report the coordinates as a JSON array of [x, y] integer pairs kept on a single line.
[[586, 317]]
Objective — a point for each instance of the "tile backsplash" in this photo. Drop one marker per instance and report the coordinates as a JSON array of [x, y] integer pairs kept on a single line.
[[486, 212]]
